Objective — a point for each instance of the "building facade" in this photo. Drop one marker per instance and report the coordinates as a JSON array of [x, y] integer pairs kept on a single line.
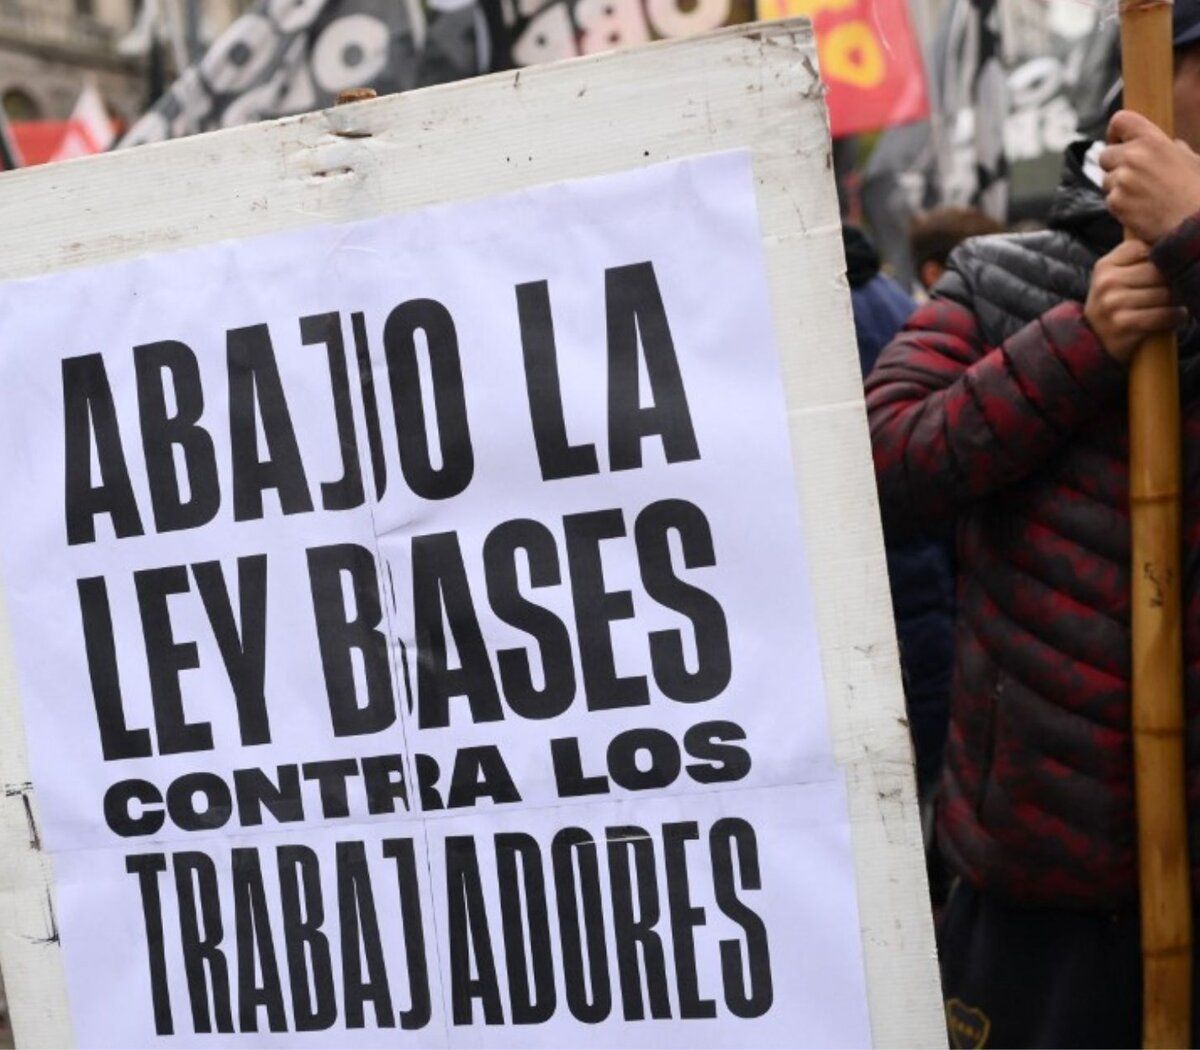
[[49, 49]]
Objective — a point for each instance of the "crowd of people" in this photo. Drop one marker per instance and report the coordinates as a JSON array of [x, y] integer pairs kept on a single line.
[[999, 426]]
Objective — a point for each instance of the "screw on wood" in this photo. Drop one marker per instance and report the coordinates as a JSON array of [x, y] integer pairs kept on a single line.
[[362, 94], [359, 94]]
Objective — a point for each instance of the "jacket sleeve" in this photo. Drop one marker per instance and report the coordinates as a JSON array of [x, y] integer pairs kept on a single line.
[[953, 420], [1177, 255]]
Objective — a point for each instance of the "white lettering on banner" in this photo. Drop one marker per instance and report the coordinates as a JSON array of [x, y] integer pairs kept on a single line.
[[240, 56], [549, 30], [1041, 122], [351, 52], [416, 644], [605, 24], [671, 18]]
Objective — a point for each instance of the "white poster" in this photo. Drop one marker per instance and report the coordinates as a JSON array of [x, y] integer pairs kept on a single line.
[[414, 633]]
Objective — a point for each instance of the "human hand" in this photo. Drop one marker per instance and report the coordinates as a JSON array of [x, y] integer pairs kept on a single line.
[[1128, 299], [1151, 183]]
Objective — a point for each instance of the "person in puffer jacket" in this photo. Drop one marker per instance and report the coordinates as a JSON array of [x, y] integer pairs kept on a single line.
[[1001, 408]]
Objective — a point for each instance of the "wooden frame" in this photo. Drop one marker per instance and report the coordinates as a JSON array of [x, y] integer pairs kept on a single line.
[[752, 87]]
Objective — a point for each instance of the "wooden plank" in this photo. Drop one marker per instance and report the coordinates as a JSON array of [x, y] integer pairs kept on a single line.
[[752, 87], [30, 954]]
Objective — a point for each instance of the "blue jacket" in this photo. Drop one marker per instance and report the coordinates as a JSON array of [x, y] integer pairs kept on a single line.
[[880, 309]]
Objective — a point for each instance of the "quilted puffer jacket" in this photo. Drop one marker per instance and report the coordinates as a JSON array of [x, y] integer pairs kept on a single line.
[[998, 408]]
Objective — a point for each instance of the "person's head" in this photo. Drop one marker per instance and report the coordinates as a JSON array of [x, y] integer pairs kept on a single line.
[[934, 234], [1186, 85], [1185, 38]]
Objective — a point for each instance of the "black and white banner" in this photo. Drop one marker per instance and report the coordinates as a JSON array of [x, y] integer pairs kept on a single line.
[[285, 57], [291, 56], [528, 32], [415, 639]]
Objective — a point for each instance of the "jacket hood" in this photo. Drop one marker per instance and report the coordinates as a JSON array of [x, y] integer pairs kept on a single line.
[[1078, 207]]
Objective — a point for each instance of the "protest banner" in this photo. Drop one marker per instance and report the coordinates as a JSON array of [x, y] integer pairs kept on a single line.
[[444, 601], [281, 57]]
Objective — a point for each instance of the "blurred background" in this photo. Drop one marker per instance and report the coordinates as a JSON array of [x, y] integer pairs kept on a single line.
[[51, 49], [934, 104]]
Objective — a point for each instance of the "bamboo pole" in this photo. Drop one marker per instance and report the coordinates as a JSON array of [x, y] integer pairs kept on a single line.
[[1158, 713]]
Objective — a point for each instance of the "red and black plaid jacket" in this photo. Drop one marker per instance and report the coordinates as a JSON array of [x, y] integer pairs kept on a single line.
[[997, 409]]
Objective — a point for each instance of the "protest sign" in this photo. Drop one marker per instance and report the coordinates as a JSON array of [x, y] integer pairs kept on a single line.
[[418, 633]]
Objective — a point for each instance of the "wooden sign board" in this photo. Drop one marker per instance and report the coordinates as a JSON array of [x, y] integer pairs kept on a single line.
[[681, 336]]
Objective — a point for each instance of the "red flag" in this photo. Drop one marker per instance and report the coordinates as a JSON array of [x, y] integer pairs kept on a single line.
[[89, 129], [870, 60]]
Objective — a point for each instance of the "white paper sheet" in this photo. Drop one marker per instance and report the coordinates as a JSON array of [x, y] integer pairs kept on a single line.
[[665, 567]]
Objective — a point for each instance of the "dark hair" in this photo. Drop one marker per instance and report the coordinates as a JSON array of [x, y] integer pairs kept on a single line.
[[1188, 51], [934, 234]]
